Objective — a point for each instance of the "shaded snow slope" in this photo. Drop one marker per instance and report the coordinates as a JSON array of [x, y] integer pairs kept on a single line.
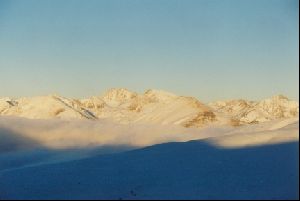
[[190, 170]]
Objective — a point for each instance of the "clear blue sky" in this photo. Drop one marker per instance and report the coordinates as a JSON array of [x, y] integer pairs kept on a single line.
[[210, 49]]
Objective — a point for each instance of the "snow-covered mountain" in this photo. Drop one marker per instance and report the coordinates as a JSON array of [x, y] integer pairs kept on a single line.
[[44, 107], [153, 106], [248, 112]]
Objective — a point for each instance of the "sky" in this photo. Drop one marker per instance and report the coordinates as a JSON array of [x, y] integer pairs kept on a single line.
[[209, 49]]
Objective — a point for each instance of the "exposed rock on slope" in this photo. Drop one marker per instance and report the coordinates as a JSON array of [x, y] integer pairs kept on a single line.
[[201, 119], [6, 103]]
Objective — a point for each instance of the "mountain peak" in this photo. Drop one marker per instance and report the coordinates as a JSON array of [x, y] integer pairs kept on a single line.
[[118, 94], [159, 94], [279, 97]]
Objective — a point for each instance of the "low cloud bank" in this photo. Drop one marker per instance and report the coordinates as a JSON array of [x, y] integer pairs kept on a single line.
[[12, 141], [20, 133]]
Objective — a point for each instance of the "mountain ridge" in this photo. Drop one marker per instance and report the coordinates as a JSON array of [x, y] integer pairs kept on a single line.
[[152, 106]]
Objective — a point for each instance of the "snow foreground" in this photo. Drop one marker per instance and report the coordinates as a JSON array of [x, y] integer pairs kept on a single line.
[[83, 159], [153, 106], [250, 162]]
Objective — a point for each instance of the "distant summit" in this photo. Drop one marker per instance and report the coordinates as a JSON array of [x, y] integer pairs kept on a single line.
[[246, 112]]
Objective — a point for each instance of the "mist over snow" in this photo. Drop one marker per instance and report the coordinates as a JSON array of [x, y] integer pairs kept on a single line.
[[59, 159]]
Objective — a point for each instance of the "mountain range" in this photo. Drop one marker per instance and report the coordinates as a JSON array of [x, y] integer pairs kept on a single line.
[[153, 106]]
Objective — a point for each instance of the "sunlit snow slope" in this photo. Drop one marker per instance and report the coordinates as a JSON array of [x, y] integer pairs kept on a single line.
[[151, 107]]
